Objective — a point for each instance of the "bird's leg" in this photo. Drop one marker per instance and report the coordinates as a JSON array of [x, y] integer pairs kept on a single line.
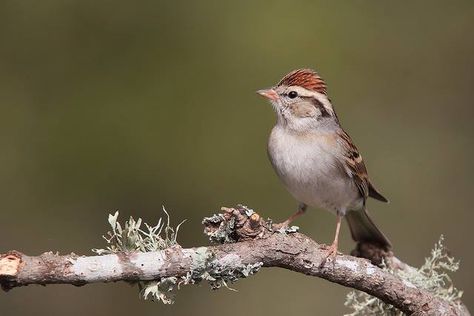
[[332, 250], [301, 210]]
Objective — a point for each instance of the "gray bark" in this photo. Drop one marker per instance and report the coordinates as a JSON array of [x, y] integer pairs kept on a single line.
[[255, 245]]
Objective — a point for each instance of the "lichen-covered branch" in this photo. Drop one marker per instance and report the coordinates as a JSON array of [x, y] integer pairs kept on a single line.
[[246, 243]]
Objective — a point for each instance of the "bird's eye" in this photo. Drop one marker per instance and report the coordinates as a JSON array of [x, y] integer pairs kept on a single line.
[[292, 94]]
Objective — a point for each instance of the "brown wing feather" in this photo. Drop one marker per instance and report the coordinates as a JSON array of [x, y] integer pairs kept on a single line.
[[355, 166]]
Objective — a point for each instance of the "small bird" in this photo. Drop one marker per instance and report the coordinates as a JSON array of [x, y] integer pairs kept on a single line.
[[316, 159]]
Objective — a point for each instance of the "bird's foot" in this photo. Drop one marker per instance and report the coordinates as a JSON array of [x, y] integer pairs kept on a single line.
[[331, 255]]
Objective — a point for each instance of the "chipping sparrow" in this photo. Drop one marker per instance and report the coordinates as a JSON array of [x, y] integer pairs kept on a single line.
[[316, 159]]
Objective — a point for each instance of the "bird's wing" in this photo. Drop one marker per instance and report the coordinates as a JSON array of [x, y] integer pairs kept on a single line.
[[354, 166]]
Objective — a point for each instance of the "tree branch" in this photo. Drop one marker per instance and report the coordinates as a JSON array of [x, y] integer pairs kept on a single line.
[[250, 243]]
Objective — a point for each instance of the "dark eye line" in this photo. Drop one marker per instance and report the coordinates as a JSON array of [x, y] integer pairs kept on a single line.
[[320, 106]]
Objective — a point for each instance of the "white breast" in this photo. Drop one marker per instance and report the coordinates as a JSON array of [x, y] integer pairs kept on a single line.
[[309, 168]]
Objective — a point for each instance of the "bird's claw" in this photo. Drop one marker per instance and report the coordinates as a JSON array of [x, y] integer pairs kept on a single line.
[[330, 256]]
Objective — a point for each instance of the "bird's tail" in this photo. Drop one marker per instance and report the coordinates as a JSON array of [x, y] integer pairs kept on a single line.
[[363, 229]]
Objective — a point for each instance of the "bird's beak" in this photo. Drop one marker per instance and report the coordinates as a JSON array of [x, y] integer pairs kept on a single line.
[[269, 94]]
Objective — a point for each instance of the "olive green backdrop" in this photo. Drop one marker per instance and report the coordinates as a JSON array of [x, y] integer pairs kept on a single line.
[[109, 105]]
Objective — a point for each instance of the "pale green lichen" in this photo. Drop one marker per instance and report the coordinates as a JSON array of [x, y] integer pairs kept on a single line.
[[219, 273], [133, 237], [205, 267], [432, 276], [226, 231], [289, 230]]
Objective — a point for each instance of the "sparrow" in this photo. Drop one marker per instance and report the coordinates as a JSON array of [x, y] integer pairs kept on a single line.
[[317, 160]]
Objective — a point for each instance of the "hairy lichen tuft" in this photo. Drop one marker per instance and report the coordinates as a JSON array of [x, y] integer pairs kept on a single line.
[[431, 276], [132, 236]]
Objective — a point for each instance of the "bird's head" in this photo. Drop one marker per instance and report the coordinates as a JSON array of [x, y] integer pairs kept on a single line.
[[300, 101]]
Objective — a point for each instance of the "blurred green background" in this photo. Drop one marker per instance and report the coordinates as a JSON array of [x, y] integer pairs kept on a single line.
[[129, 106]]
